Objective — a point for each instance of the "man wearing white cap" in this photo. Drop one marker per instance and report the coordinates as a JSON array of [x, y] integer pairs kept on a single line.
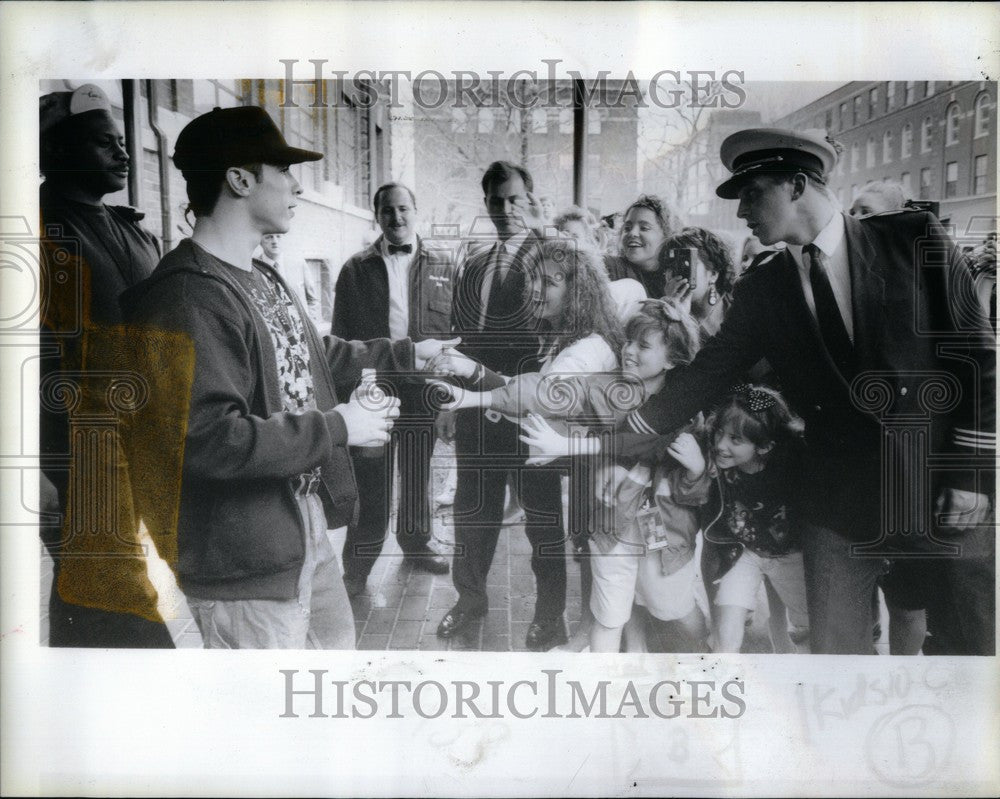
[[868, 326], [92, 252]]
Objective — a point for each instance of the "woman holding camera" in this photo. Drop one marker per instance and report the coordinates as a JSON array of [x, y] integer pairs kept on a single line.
[[700, 272]]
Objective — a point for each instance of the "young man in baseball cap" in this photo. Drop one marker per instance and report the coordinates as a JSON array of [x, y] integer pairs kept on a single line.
[[253, 387]]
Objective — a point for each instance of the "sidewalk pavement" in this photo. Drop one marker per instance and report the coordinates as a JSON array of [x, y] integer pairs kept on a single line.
[[401, 606]]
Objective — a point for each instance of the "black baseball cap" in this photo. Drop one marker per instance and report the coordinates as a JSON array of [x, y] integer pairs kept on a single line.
[[226, 137]]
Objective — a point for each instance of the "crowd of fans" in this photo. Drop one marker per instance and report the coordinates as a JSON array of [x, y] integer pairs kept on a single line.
[[676, 382]]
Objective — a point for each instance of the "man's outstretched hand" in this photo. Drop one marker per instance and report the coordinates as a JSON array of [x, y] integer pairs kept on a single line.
[[425, 351]]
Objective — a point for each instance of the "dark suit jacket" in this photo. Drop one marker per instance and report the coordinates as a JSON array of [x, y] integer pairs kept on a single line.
[[508, 343], [926, 356]]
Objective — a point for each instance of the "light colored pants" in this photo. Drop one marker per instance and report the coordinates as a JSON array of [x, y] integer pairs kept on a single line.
[[786, 574], [319, 618]]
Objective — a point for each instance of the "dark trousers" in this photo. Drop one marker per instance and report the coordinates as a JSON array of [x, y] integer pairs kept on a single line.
[[412, 444], [78, 626], [960, 595], [72, 625], [961, 604], [485, 451]]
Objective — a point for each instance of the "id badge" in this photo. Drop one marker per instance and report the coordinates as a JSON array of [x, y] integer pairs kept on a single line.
[[651, 528]]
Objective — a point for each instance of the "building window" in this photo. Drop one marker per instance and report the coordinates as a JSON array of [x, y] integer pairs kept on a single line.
[[514, 121], [348, 161], [855, 157], [890, 95], [870, 152], [843, 116], [981, 126], [907, 183], [486, 118], [828, 119], [302, 127], [906, 142], [979, 175], [225, 94], [908, 92], [925, 183], [951, 125], [887, 147], [459, 120], [539, 121], [872, 102], [593, 121], [857, 110], [926, 135], [928, 88], [951, 179], [565, 120]]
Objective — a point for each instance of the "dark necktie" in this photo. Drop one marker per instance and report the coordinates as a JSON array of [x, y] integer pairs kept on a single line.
[[395, 248], [501, 268], [831, 323]]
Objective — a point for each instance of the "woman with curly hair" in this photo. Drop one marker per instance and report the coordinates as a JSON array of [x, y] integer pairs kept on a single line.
[[579, 330], [647, 222], [580, 336], [708, 291]]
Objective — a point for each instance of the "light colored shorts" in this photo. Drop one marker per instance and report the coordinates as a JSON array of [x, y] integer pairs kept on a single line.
[[319, 618], [786, 574], [626, 575]]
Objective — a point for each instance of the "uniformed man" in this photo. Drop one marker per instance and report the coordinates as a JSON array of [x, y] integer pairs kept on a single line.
[[864, 322]]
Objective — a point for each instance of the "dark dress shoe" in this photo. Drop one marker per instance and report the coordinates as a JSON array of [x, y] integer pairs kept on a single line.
[[456, 620], [428, 560], [545, 634]]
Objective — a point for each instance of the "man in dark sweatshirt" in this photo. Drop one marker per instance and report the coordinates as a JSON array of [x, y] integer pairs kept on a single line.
[[240, 378], [91, 252]]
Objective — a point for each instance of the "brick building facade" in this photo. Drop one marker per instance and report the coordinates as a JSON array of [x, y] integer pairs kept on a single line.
[[937, 138], [453, 145]]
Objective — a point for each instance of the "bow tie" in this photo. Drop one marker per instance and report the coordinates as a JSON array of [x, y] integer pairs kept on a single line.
[[394, 248]]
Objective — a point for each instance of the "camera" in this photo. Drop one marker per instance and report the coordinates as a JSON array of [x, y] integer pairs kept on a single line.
[[679, 261]]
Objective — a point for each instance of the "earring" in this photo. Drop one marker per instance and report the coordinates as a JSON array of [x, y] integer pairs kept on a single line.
[[713, 295]]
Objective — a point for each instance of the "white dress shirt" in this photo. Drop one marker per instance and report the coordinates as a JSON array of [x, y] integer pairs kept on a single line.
[[832, 242], [397, 268]]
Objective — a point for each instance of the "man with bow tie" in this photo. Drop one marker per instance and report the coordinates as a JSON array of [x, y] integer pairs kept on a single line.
[[396, 288]]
